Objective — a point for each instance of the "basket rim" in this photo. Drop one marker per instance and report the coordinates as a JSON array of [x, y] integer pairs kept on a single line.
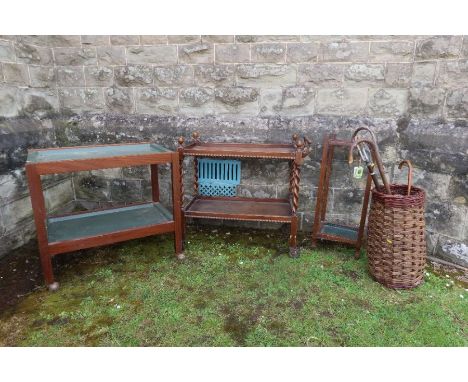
[[415, 192]]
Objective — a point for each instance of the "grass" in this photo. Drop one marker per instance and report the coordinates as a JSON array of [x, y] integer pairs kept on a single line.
[[234, 289]]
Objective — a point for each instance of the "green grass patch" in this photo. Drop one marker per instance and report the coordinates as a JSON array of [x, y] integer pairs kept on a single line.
[[235, 288]]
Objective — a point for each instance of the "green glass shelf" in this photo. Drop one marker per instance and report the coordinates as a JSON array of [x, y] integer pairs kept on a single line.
[[96, 223], [340, 231], [90, 152]]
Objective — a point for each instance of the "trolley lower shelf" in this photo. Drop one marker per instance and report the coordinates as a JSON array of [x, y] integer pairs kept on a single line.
[[239, 208], [329, 231]]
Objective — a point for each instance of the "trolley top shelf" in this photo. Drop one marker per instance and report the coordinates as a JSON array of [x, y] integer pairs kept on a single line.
[[239, 150]]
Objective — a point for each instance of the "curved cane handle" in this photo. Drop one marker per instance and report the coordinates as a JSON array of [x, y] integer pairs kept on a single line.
[[410, 173], [363, 128]]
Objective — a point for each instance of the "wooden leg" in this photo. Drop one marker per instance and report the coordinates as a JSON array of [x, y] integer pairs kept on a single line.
[[293, 250], [154, 182], [362, 223], [177, 208]]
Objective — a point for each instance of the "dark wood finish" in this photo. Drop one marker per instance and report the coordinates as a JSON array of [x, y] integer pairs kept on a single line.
[[318, 231], [49, 249], [252, 209]]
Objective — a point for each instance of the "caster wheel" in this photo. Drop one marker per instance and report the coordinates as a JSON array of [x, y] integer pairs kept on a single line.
[[294, 252], [53, 287], [180, 256]]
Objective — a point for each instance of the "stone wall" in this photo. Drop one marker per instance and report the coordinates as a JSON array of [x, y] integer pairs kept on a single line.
[[69, 90]]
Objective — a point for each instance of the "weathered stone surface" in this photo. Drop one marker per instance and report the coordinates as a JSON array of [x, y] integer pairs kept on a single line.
[[125, 40], [153, 40], [81, 100], [464, 51], [445, 218], [327, 75], [457, 103], [453, 251], [215, 74], [398, 75], [344, 51], [90, 187], [265, 75], [157, 100], [388, 102], [453, 73], [16, 74], [232, 53], [218, 39], [266, 38], [238, 99], [9, 105], [302, 52], [196, 96], [75, 56], [391, 51], [119, 100], [270, 101], [42, 76], [30, 54], [295, 100], [95, 40], [174, 75], [40, 102], [111, 55], [70, 76], [272, 53], [426, 101], [63, 40], [438, 47], [361, 74], [133, 75], [342, 101], [99, 75], [126, 190], [435, 185], [199, 53], [158, 54], [423, 74], [183, 39], [7, 52]]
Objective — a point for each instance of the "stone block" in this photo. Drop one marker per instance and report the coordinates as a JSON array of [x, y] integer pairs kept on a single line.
[[111, 55], [342, 101], [40, 102], [153, 40], [99, 75], [232, 53], [119, 100], [63, 40], [134, 75], [326, 75], [218, 39], [125, 40], [452, 250], [423, 74], [30, 54], [75, 56], [464, 51], [348, 201], [58, 195], [365, 74], [81, 100], [16, 74], [426, 101], [298, 100], [458, 189], [39, 40], [9, 101], [267, 38], [126, 190], [302, 52], [344, 51], [158, 54], [157, 101], [173, 75], [398, 75], [183, 39], [215, 74], [453, 74], [445, 218], [95, 40], [256, 191], [199, 53], [269, 52], [91, 187], [457, 103], [435, 185], [237, 99], [391, 51], [70, 76], [270, 101], [136, 172], [266, 75], [388, 102], [197, 100], [438, 47], [16, 211], [42, 76]]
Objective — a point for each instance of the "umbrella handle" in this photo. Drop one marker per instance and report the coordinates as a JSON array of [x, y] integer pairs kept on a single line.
[[410, 173]]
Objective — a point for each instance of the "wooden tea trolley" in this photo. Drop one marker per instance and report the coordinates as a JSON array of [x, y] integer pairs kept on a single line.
[[60, 234], [242, 208]]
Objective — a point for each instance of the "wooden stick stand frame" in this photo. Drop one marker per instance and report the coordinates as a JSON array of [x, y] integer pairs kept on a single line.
[[81, 230], [329, 231], [248, 209]]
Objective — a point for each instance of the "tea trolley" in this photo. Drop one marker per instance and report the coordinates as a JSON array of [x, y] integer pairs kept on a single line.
[[66, 233], [281, 210]]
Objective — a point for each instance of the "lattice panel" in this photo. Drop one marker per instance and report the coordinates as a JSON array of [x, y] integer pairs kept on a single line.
[[218, 177]]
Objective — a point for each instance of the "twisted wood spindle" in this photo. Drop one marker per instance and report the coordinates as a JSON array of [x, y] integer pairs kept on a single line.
[[195, 175]]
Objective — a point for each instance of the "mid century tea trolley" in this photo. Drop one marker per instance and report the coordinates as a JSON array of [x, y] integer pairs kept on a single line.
[[76, 231], [242, 208]]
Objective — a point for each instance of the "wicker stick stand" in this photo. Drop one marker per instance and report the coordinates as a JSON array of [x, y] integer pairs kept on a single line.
[[396, 244]]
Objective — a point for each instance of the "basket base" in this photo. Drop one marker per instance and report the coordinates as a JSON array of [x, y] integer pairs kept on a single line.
[[396, 285]]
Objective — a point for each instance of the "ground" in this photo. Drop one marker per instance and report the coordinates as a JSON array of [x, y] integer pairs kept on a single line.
[[235, 288]]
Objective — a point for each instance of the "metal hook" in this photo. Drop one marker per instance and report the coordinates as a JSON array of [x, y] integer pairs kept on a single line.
[[410, 173]]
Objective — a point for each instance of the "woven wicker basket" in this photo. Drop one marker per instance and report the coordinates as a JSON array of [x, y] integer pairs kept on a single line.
[[396, 242]]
